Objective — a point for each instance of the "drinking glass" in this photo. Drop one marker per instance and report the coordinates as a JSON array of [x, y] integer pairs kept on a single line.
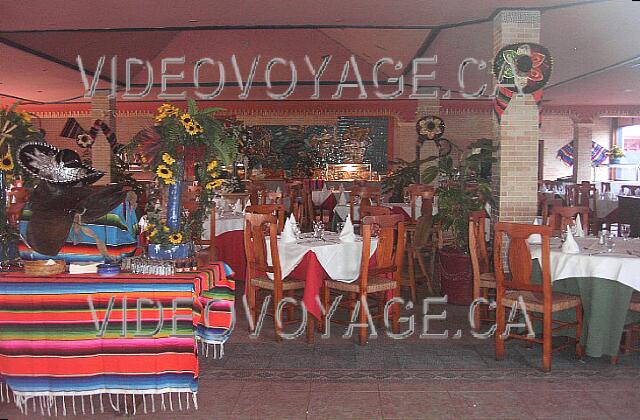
[[407, 198], [340, 226], [625, 231]]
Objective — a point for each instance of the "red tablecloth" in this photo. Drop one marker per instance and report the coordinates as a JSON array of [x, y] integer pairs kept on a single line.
[[230, 247]]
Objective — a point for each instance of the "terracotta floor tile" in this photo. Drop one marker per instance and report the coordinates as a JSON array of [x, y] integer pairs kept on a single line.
[[417, 405], [343, 405]]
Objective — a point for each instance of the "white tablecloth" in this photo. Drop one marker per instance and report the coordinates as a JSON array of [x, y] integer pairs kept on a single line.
[[341, 260], [226, 224], [593, 262], [604, 207]]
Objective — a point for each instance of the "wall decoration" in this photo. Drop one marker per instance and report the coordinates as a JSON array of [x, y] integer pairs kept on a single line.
[[598, 154], [85, 139], [370, 134], [429, 127], [521, 67]]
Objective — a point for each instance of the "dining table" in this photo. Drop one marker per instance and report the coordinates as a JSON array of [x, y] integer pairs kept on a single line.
[[316, 259], [605, 278]]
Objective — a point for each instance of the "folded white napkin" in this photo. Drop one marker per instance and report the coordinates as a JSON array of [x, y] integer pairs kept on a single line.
[[237, 208], [570, 246], [535, 238], [288, 235], [83, 268], [324, 187], [347, 234], [579, 230], [342, 200], [248, 203], [278, 190], [341, 189]]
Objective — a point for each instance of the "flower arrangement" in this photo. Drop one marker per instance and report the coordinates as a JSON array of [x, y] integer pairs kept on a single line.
[[16, 127], [182, 141], [616, 152]]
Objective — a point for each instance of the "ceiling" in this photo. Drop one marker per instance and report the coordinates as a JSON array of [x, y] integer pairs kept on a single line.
[[595, 45]]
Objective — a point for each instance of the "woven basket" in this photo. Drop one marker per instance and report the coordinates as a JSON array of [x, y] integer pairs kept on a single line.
[[40, 268]]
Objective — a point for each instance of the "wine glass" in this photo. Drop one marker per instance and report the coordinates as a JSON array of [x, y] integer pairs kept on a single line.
[[625, 231]]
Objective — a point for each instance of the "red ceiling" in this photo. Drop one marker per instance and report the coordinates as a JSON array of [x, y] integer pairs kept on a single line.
[[586, 41]]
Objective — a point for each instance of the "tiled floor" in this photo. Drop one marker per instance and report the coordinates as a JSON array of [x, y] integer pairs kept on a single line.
[[403, 379]]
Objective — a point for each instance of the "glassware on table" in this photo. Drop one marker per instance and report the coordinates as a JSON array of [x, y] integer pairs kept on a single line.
[[318, 229], [625, 231], [609, 242], [407, 198], [339, 227]]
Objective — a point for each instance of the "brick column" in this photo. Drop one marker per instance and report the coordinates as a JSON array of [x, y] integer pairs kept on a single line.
[[515, 175], [582, 137], [103, 108]]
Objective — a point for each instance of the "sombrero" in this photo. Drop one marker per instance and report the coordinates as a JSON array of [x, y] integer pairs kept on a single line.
[[50, 164], [62, 199]]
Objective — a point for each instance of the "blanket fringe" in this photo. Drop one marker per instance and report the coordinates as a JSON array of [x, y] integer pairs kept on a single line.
[[48, 404], [205, 348]]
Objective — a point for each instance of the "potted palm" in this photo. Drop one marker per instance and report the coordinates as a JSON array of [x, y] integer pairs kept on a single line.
[[463, 188]]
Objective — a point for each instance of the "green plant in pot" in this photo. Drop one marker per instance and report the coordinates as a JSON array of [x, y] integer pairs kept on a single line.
[[463, 188], [404, 174]]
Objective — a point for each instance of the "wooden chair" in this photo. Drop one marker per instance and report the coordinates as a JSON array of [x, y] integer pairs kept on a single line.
[[381, 278], [415, 191], [274, 197], [366, 196], [538, 298], [374, 211], [258, 268], [630, 190], [419, 241], [484, 281], [579, 195], [273, 209], [548, 185], [631, 332], [257, 192], [560, 217], [605, 187], [547, 205]]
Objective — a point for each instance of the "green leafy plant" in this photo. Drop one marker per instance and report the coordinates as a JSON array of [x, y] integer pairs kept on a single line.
[[404, 174], [463, 188]]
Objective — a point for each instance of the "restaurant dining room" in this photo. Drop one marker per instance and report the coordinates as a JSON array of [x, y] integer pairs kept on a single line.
[[320, 210]]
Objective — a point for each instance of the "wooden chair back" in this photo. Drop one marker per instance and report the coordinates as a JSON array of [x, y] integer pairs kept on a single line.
[[374, 211], [255, 246], [561, 216], [426, 208], [630, 190], [274, 197], [547, 205], [367, 196], [273, 209], [512, 260], [478, 249], [391, 235], [579, 194], [605, 187], [547, 184], [257, 192]]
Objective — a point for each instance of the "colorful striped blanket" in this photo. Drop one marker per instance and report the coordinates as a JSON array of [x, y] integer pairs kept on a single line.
[[598, 154], [79, 342]]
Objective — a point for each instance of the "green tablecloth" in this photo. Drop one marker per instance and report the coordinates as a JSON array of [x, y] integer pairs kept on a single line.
[[606, 311]]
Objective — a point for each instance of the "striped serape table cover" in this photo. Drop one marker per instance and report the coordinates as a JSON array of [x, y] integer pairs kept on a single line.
[[76, 343]]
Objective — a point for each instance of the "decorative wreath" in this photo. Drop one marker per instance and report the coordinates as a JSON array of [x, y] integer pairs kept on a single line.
[[523, 67], [429, 128]]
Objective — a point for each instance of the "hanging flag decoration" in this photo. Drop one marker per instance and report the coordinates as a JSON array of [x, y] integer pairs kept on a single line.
[[520, 68], [598, 154]]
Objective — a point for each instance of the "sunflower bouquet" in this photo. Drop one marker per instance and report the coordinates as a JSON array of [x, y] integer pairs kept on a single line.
[[193, 142], [158, 232], [16, 127]]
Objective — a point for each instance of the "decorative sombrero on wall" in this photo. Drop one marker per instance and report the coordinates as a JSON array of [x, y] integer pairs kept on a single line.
[[50, 164], [521, 67]]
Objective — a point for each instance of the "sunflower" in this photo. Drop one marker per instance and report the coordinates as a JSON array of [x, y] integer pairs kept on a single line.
[[149, 227], [165, 228], [6, 164], [165, 108], [186, 120], [216, 183], [25, 116], [176, 238], [160, 117], [169, 181], [193, 129], [153, 233], [212, 165], [163, 172], [168, 159]]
